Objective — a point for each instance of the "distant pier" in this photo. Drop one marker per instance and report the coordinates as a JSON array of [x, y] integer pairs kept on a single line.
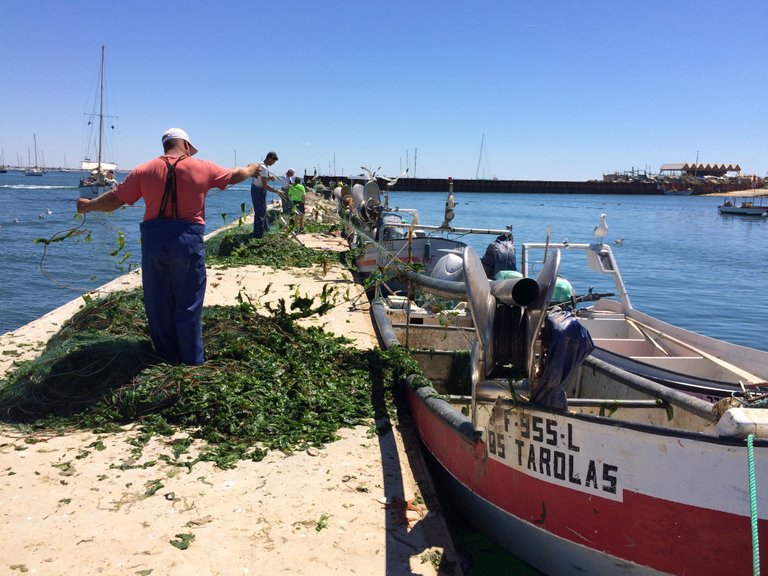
[[526, 186], [511, 186], [534, 186]]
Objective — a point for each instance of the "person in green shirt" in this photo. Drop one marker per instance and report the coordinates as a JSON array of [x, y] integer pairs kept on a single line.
[[296, 194]]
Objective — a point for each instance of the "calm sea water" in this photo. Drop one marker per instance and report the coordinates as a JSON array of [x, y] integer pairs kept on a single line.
[[33, 280], [681, 261]]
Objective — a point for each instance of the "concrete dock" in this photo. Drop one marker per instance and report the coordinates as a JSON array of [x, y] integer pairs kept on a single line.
[[74, 502]]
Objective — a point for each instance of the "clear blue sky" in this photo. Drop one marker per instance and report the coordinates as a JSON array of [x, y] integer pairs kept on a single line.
[[560, 90]]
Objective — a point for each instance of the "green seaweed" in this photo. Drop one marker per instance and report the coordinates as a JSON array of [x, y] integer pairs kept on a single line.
[[267, 383]]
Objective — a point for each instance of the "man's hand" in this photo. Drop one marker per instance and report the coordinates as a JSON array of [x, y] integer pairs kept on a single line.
[[104, 203], [82, 205]]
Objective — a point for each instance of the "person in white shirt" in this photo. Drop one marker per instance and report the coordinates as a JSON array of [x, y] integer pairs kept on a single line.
[[285, 199]]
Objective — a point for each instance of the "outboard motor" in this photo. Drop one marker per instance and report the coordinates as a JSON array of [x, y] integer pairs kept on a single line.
[[450, 266]]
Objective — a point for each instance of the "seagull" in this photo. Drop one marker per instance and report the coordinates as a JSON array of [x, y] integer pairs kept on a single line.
[[391, 181], [601, 229], [619, 241], [371, 174]]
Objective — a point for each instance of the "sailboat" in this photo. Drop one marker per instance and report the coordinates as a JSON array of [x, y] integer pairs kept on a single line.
[[481, 159], [480, 156], [98, 180], [3, 167], [34, 171]]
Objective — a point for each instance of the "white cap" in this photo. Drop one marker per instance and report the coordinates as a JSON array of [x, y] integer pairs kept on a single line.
[[178, 134]]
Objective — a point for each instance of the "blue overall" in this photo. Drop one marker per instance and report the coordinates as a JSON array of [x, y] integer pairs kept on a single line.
[[174, 277], [260, 221]]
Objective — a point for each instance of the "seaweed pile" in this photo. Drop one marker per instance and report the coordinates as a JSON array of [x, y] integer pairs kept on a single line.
[[267, 384]]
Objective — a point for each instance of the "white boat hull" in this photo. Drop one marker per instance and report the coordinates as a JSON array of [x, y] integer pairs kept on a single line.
[[91, 191], [744, 210]]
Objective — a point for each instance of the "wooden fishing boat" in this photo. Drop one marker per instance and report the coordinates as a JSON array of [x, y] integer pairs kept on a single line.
[[382, 235], [576, 468]]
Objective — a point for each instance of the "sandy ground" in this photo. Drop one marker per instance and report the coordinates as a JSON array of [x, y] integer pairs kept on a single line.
[[80, 503], [757, 192]]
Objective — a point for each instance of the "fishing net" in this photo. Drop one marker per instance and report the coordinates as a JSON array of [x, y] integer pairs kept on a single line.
[[266, 380], [267, 383], [98, 350]]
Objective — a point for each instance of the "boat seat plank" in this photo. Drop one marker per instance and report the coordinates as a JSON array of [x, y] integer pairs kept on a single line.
[[628, 346], [616, 327]]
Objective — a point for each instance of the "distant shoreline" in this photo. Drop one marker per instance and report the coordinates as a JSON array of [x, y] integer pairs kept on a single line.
[[495, 186]]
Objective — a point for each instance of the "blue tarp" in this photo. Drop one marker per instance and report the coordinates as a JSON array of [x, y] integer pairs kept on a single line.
[[500, 255], [569, 343]]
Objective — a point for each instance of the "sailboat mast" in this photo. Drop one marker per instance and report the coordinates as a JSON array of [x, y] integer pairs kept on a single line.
[[480, 156], [101, 107], [34, 137]]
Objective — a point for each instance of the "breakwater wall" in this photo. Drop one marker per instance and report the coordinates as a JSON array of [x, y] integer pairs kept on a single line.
[[536, 186], [526, 186], [507, 186]]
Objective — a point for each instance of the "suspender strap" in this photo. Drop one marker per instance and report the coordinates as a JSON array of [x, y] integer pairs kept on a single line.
[[170, 189]]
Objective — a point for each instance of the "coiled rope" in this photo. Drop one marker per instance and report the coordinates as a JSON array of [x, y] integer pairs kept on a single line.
[[753, 505]]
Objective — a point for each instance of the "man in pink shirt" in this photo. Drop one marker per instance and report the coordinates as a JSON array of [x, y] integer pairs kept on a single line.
[[173, 187]]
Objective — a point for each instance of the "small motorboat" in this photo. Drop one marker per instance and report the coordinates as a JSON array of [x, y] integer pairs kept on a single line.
[[744, 208], [382, 235]]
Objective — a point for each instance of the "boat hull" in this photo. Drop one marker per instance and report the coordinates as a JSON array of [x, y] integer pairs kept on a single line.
[[578, 494], [744, 210], [91, 191], [419, 250], [667, 192]]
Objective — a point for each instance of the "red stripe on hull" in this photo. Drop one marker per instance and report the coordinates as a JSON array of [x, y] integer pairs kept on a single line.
[[664, 535]]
